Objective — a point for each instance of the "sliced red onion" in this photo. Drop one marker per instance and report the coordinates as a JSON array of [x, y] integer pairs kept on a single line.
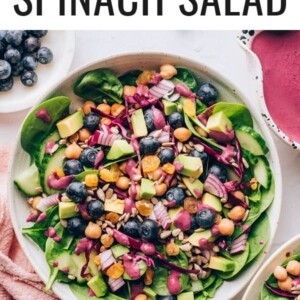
[[152, 216], [41, 217], [214, 186], [103, 138], [279, 292], [172, 98], [116, 284], [49, 146], [239, 244], [161, 136], [163, 88], [98, 159], [106, 259], [47, 202], [162, 215]]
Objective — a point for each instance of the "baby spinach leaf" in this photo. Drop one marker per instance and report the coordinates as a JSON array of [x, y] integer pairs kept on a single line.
[[99, 84], [160, 279], [187, 77], [34, 130], [36, 232], [238, 114], [130, 77], [268, 295], [211, 290], [200, 107]]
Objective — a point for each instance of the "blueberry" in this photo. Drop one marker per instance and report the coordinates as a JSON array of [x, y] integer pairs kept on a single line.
[[13, 37], [202, 155], [218, 171], [170, 297], [12, 56], [29, 78], [37, 33], [205, 218], [77, 192], [149, 145], [2, 34], [5, 69], [131, 228], [17, 69], [208, 94], [2, 47], [177, 194], [148, 116], [76, 225], [88, 156], [29, 62], [25, 34], [148, 230], [44, 55], [91, 121], [194, 225], [6, 84], [166, 155], [176, 120], [32, 44], [73, 167], [95, 208]]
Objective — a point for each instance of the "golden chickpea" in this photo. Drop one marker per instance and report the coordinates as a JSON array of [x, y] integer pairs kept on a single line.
[[226, 227], [280, 273], [167, 71], [172, 249], [123, 167], [84, 134], [286, 285], [160, 189], [239, 195], [93, 231], [87, 107], [116, 109], [105, 121], [138, 192], [104, 107], [107, 240], [123, 183], [141, 297], [129, 90], [156, 174], [200, 131], [35, 201], [293, 267], [182, 134], [237, 213], [73, 151]]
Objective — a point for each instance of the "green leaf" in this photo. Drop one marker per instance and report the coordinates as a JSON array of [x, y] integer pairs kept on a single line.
[[159, 284], [34, 130], [36, 232], [187, 77], [81, 176], [211, 290], [99, 84], [130, 77]]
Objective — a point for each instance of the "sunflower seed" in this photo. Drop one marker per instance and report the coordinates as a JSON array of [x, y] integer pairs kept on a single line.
[[104, 225], [137, 177], [114, 197], [101, 194], [74, 138], [109, 231], [168, 144], [39, 189], [91, 192], [193, 259], [89, 198], [188, 193], [109, 223], [161, 179], [184, 241], [191, 144], [115, 130], [199, 230], [109, 193], [99, 222], [140, 218], [193, 277], [199, 148], [165, 234], [188, 253], [245, 163], [228, 205], [187, 146], [186, 247], [197, 267], [216, 249], [71, 277], [246, 216], [179, 146], [105, 187], [181, 185], [126, 218], [179, 108], [64, 223], [223, 200], [203, 259], [190, 266], [134, 211], [154, 201], [157, 133], [176, 232], [181, 236], [63, 142], [119, 226], [235, 165]]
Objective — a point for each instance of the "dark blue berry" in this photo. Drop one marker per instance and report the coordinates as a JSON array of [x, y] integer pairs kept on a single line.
[[95, 209], [2, 34], [5, 69], [166, 155], [91, 121], [6, 84], [131, 228], [32, 44], [2, 47], [44, 55], [202, 155], [148, 230], [194, 225], [12, 56], [76, 225], [149, 145], [148, 116], [208, 94], [13, 37], [29, 62], [218, 171], [73, 167], [37, 33], [177, 194], [176, 120], [88, 157], [205, 218], [17, 69], [29, 78], [77, 192]]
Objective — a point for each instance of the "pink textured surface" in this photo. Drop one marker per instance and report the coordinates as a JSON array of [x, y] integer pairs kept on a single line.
[[17, 278], [279, 54]]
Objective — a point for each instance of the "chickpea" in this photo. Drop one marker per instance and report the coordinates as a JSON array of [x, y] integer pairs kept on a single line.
[[112, 217], [167, 71], [200, 131], [138, 192], [107, 240], [123, 183], [280, 273], [93, 231], [128, 90], [237, 213], [155, 175], [293, 268], [123, 167], [141, 297], [104, 107], [84, 134], [148, 276], [35, 201], [73, 151], [87, 107], [116, 109], [182, 134], [105, 121], [285, 285], [239, 195], [226, 227], [172, 249], [160, 189]]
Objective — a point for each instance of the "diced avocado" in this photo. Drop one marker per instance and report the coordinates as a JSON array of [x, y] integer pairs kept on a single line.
[[116, 206], [150, 293], [70, 124], [139, 124], [119, 250], [92, 266], [98, 285], [197, 286], [221, 264], [186, 296], [142, 266], [147, 189], [212, 201], [173, 212], [192, 186], [219, 122], [169, 107], [119, 148], [192, 166], [197, 236], [67, 210]]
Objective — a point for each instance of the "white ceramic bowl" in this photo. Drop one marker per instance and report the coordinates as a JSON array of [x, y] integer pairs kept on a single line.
[[245, 39], [288, 249], [20, 160]]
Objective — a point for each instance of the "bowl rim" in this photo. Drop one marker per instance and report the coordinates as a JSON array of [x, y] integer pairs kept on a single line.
[[245, 40], [260, 272], [212, 73]]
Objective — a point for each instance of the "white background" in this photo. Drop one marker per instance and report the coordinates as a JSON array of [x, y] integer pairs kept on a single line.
[[218, 49]]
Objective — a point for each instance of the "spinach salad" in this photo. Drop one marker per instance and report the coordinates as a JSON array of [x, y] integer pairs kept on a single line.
[[152, 189]]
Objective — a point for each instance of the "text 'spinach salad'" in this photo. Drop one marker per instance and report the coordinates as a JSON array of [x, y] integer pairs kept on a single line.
[[151, 189], [284, 283]]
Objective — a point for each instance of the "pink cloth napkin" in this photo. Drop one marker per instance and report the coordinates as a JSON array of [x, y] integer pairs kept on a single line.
[[17, 277]]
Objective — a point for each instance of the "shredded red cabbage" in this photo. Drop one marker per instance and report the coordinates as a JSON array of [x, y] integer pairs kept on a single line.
[[279, 292]]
